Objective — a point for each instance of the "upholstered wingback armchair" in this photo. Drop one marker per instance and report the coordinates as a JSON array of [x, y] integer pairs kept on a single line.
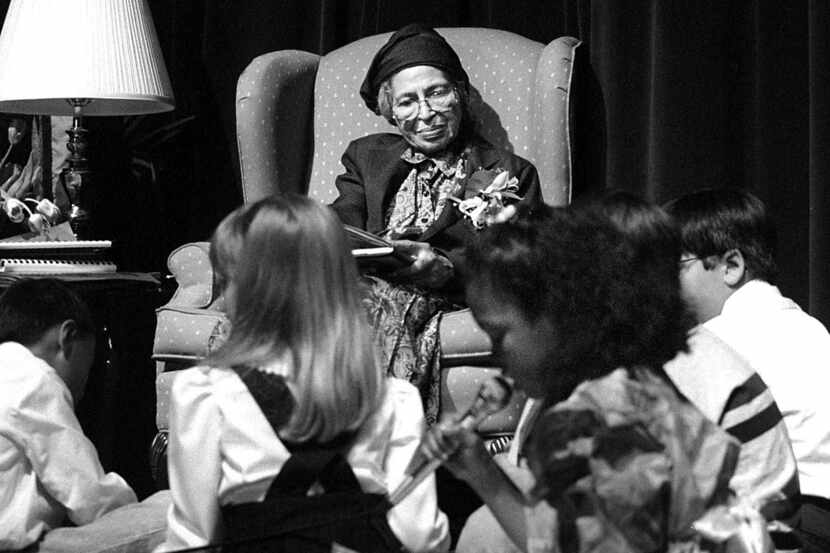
[[295, 114]]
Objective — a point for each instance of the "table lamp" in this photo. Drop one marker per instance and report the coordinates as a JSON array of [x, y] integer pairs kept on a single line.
[[79, 58]]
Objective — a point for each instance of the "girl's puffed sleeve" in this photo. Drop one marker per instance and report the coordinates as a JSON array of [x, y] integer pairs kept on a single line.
[[416, 520], [194, 462]]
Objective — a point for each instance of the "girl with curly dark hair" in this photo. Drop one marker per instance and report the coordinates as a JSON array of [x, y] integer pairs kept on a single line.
[[621, 461]]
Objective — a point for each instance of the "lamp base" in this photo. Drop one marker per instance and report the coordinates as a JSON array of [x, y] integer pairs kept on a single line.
[[76, 182], [76, 177]]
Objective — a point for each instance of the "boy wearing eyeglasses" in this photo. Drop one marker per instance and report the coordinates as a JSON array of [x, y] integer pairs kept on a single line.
[[727, 277]]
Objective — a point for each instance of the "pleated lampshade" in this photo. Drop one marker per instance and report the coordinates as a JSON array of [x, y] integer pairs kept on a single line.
[[105, 51]]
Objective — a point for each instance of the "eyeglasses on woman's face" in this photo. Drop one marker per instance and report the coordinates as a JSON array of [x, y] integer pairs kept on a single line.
[[438, 99], [426, 108]]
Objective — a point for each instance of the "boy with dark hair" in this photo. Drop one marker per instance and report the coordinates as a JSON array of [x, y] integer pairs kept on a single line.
[[723, 228], [49, 471], [726, 275], [715, 378]]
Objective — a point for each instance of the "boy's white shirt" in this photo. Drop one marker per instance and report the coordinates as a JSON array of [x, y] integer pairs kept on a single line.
[[790, 350], [49, 470]]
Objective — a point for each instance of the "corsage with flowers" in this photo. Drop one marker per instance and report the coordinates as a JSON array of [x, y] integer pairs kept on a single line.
[[489, 197]]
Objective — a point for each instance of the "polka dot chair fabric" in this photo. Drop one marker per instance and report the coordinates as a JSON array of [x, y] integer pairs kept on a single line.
[[273, 122], [190, 265], [185, 324]]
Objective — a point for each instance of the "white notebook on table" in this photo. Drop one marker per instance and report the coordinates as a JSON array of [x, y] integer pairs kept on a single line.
[[55, 257], [55, 266], [55, 247]]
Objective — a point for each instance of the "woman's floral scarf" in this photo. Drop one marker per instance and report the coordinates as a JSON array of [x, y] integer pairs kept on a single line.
[[424, 193], [482, 196]]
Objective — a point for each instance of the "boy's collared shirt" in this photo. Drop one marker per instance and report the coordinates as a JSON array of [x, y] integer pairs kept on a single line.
[[49, 470], [790, 350], [720, 382]]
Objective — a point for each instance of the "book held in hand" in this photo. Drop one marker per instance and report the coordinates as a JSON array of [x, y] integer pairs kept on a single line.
[[374, 254]]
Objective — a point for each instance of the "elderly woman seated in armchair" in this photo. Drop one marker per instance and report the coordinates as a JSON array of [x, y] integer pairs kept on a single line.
[[409, 187]]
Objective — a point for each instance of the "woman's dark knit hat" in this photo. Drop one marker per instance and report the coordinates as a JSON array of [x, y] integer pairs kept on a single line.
[[415, 44]]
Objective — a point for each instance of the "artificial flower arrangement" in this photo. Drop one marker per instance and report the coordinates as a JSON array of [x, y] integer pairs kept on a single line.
[[39, 215], [39, 218], [489, 197]]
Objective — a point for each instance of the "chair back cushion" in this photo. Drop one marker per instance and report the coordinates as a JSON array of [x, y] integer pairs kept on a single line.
[[518, 97]]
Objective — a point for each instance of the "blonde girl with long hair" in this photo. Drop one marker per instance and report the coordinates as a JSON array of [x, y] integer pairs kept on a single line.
[[297, 373]]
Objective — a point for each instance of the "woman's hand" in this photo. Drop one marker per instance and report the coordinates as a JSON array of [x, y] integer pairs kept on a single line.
[[460, 450], [429, 269]]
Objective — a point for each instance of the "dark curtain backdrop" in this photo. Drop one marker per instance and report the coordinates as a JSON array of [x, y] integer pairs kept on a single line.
[[669, 96]]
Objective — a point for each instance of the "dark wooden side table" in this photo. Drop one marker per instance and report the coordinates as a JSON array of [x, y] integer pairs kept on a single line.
[[117, 411]]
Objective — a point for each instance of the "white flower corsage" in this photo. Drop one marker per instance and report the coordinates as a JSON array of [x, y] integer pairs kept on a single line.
[[488, 197]]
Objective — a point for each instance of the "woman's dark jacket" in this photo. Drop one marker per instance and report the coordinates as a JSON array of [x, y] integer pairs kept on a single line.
[[375, 171]]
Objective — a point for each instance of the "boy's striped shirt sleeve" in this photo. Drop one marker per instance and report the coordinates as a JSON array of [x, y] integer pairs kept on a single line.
[[766, 469]]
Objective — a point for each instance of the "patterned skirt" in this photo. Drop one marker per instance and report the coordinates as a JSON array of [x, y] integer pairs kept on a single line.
[[405, 320]]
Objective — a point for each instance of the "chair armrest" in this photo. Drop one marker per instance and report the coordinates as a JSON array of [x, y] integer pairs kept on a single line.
[[274, 123], [190, 266], [459, 386], [463, 342], [184, 335], [185, 324]]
